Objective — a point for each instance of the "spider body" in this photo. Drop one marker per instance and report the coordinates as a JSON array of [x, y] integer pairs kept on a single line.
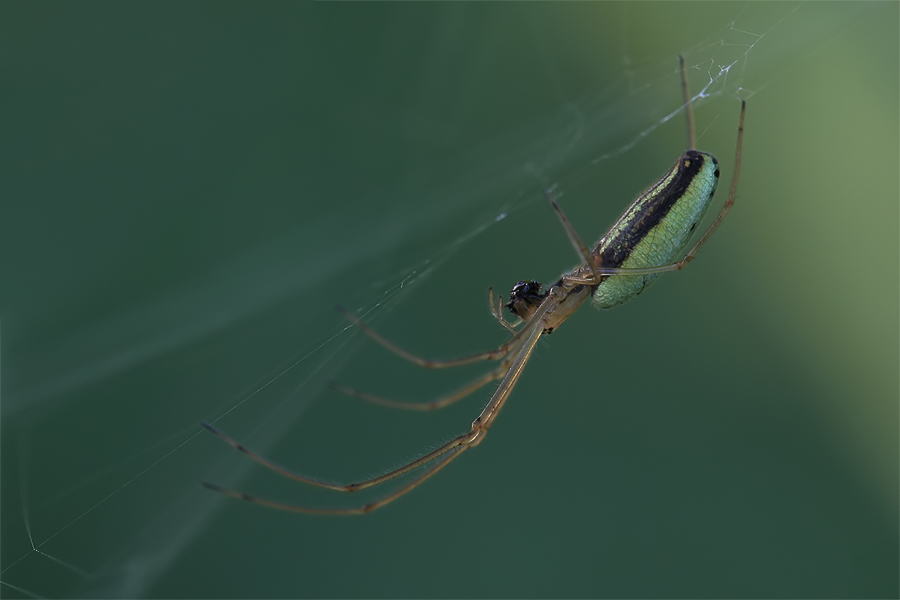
[[640, 246], [651, 232]]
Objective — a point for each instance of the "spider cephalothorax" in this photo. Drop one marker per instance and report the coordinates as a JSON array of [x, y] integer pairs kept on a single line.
[[525, 298]]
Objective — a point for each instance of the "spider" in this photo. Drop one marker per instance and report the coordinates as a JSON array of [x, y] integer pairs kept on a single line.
[[639, 247]]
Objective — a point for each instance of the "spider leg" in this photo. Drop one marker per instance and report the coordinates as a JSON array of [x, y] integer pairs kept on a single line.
[[499, 353], [497, 311], [360, 510], [579, 246], [687, 103], [441, 402], [728, 203], [351, 487], [536, 328], [452, 449]]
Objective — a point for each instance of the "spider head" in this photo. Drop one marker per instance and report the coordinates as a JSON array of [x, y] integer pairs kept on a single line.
[[525, 298]]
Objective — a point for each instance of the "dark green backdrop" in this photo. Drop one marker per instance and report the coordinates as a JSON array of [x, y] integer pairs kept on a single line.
[[187, 188]]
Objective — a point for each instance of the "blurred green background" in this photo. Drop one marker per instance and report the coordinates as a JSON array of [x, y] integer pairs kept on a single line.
[[187, 188]]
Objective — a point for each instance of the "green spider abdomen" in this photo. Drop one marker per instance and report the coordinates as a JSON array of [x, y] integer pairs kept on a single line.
[[656, 227]]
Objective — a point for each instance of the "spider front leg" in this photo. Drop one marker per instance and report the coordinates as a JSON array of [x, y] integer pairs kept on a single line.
[[337, 487], [359, 510]]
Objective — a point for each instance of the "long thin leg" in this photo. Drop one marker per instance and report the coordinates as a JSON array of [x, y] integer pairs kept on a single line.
[[441, 402], [693, 251], [451, 449], [579, 246], [499, 353], [534, 329], [687, 103], [536, 326], [728, 203], [351, 487], [361, 510]]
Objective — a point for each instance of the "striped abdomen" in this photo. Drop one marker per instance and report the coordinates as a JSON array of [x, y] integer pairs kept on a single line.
[[656, 228]]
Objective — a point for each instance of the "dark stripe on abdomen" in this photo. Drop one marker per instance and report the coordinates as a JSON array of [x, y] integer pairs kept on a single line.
[[648, 210]]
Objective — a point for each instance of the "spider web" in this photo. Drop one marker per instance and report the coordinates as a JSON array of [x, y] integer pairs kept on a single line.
[[103, 451]]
